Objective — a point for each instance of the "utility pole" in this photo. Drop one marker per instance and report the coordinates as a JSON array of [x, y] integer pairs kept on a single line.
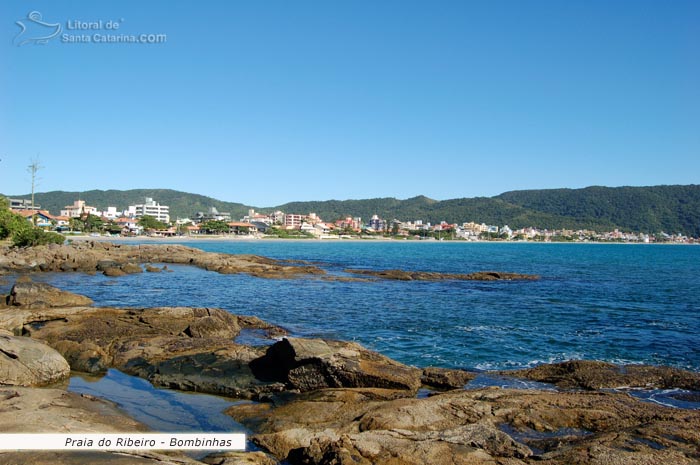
[[33, 168]]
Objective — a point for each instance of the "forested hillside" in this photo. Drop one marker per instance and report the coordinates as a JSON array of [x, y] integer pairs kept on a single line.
[[672, 209]]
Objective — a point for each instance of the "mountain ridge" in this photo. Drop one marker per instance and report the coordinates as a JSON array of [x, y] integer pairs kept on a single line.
[[651, 209]]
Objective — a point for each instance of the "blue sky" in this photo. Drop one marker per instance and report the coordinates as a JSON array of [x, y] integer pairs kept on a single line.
[[264, 102]]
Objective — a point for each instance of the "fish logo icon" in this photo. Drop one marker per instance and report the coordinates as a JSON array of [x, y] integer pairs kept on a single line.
[[36, 31]]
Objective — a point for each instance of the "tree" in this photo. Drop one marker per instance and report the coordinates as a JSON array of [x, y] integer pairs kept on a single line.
[[21, 231], [93, 223], [10, 223], [112, 228], [215, 226], [150, 222], [76, 224]]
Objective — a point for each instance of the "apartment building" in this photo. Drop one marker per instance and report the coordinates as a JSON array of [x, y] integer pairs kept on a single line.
[[151, 208]]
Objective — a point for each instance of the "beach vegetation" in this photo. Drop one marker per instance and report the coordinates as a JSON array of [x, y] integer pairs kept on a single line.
[[150, 222], [31, 237]]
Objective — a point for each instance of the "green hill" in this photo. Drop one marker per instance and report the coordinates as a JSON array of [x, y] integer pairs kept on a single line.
[[673, 209], [182, 204]]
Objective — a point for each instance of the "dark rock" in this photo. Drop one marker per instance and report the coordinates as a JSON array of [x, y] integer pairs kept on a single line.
[[401, 275], [309, 364], [223, 372], [177, 347]]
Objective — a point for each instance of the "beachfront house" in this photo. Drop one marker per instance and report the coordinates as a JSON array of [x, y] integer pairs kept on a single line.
[[242, 228]]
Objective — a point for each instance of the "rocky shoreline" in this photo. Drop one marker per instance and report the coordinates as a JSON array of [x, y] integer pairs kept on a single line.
[[314, 401]]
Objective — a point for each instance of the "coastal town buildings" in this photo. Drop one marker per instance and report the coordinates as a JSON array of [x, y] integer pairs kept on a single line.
[[40, 218], [253, 216], [292, 221], [22, 204], [151, 208], [78, 209], [212, 214], [312, 225], [377, 224]]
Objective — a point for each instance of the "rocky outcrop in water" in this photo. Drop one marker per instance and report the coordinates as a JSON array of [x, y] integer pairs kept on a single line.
[[401, 275], [119, 259], [445, 379], [38, 295], [593, 375]]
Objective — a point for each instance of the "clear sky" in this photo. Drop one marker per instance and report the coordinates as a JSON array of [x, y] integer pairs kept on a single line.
[[265, 102]]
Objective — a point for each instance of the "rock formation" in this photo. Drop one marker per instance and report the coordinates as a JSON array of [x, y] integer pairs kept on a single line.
[[27, 362], [593, 375], [310, 364], [486, 426], [38, 295], [118, 259], [401, 275]]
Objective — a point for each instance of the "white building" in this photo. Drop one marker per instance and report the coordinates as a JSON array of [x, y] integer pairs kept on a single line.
[[151, 208], [78, 209], [111, 213]]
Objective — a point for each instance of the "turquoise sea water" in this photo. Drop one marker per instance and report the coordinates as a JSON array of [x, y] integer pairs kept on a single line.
[[618, 303]]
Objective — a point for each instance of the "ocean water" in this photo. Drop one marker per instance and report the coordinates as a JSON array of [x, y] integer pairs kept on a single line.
[[612, 302]]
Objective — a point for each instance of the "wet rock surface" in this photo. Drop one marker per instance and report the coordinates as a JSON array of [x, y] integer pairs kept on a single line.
[[184, 348]]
